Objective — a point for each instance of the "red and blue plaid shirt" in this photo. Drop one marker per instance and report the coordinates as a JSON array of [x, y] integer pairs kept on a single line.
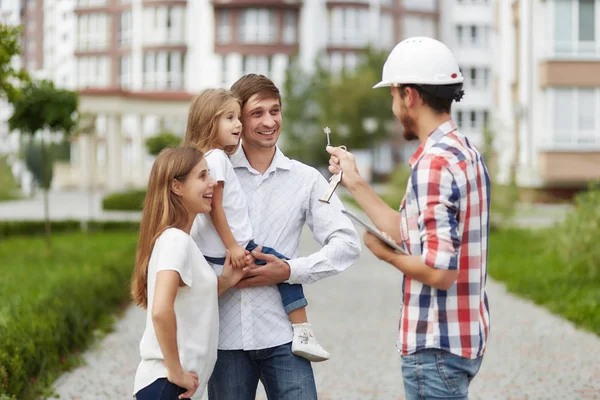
[[445, 220]]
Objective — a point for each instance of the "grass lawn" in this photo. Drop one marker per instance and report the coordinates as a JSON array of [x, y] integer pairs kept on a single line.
[[529, 268], [52, 304]]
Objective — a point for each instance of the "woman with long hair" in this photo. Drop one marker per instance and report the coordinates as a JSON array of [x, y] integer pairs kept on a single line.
[[174, 283]]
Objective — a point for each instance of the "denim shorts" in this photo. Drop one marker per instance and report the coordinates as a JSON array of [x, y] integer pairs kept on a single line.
[[437, 374]]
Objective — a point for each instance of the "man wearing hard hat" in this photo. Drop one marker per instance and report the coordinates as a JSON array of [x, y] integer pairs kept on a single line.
[[442, 225]]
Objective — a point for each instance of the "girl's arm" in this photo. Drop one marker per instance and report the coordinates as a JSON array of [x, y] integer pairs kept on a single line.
[[237, 252], [165, 322]]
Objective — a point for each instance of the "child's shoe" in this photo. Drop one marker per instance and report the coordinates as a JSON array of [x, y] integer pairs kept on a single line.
[[305, 344]]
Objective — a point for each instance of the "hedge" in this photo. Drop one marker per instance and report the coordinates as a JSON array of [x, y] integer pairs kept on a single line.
[[32, 228], [51, 302], [131, 200]]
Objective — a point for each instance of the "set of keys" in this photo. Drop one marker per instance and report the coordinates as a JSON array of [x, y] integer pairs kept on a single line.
[[335, 180]]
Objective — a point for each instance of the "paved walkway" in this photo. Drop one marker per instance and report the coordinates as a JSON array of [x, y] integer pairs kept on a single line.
[[532, 354]]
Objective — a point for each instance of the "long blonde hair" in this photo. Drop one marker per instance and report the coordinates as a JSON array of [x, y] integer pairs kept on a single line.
[[203, 119], [162, 209]]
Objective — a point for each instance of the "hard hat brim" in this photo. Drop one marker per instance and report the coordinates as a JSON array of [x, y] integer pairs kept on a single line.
[[382, 84]]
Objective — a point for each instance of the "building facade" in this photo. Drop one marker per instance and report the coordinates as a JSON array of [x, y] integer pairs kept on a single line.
[[548, 92], [467, 28]]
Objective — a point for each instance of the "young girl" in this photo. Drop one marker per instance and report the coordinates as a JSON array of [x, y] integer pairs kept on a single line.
[[173, 281], [214, 127]]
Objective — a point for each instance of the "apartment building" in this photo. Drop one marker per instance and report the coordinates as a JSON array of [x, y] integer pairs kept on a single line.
[[548, 93], [137, 63], [467, 28]]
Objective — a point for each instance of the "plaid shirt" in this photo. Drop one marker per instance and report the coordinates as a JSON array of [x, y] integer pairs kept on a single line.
[[445, 219]]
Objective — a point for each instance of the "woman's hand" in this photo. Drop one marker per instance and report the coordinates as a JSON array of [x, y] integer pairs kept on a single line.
[[186, 380]]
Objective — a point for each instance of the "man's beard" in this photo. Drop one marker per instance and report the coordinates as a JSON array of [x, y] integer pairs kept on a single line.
[[409, 127]]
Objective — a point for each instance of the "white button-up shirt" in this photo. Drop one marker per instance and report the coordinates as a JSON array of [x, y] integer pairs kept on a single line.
[[280, 202]]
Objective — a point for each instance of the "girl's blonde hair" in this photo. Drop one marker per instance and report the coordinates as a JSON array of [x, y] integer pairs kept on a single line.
[[203, 119], [162, 209]]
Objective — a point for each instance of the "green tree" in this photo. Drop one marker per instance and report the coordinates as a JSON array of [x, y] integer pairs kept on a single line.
[[160, 141], [10, 77], [343, 102], [40, 107]]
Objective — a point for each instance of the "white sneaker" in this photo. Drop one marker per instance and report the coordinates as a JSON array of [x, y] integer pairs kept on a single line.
[[305, 344]]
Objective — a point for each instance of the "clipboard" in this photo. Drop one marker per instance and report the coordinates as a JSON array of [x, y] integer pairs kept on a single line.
[[376, 233]]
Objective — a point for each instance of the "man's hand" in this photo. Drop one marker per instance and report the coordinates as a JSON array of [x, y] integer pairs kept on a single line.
[[342, 159], [378, 248], [273, 272]]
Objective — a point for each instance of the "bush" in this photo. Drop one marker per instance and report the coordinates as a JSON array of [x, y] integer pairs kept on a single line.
[[51, 302], [160, 141], [8, 185], [131, 200], [577, 236], [33, 228]]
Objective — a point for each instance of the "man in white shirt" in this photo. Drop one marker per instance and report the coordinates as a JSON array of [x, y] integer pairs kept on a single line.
[[282, 194]]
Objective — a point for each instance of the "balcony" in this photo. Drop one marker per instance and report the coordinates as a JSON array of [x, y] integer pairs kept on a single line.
[[573, 169], [569, 73], [217, 4]]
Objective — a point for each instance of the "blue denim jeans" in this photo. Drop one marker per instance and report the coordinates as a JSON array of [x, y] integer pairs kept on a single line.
[[284, 375], [160, 389], [437, 374], [292, 296]]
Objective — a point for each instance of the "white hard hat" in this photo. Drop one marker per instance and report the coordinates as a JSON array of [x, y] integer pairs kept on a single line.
[[420, 60]]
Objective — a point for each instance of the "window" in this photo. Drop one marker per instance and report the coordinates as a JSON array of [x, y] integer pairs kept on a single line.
[[575, 122], [415, 25], [459, 119], [471, 120], [257, 64], [574, 28], [342, 61], [125, 72], [224, 27], [164, 70], [125, 28], [476, 77], [289, 27], [92, 31], [258, 26], [225, 66], [472, 36], [90, 3], [387, 31], [92, 71], [164, 25], [420, 5], [348, 26]]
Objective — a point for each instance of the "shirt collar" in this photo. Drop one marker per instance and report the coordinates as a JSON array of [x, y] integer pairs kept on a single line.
[[433, 138], [280, 161]]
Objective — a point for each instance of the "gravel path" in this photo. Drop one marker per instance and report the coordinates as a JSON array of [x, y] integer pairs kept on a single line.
[[532, 354]]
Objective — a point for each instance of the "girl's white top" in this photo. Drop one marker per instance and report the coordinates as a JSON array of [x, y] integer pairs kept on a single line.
[[234, 206], [196, 311]]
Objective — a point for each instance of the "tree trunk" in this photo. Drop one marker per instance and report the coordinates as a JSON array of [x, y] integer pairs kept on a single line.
[[47, 220], [45, 189]]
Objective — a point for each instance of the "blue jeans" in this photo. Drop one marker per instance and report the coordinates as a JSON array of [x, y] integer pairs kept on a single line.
[[160, 389], [284, 375], [437, 374], [292, 296]]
